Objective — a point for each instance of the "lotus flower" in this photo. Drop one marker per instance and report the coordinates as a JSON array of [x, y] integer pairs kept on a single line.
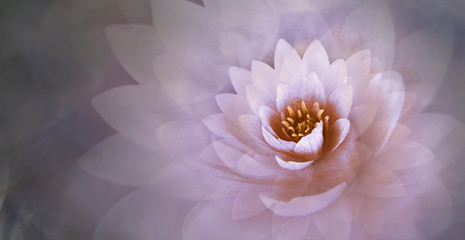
[[277, 120]]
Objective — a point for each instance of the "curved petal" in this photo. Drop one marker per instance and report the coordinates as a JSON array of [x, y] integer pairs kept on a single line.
[[426, 73], [137, 111], [292, 165], [276, 143], [310, 147], [247, 204], [302, 206], [376, 180], [240, 78], [337, 133], [264, 76], [370, 26], [335, 77], [284, 51], [135, 46], [315, 59], [339, 103], [233, 105], [142, 214], [120, 160], [361, 117]]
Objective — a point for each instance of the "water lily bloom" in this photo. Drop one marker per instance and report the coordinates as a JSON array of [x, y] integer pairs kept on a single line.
[[277, 120]]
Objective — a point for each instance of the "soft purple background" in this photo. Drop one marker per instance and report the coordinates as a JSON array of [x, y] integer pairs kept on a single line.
[[54, 59]]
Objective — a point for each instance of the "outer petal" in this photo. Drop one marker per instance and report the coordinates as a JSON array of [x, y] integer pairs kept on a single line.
[[426, 73], [240, 78], [137, 111], [135, 46], [302, 206], [123, 161], [142, 215], [315, 58]]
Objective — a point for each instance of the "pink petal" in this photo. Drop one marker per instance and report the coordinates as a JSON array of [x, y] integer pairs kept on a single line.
[[335, 221], [176, 138], [361, 117], [240, 78], [264, 76], [222, 126], [427, 73], [370, 26], [292, 165], [276, 143], [228, 154], [337, 133], [179, 181], [188, 78], [285, 94], [315, 58], [311, 89], [339, 103], [258, 97], [143, 214], [198, 25], [120, 160], [233, 105], [207, 221], [285, 51], [247, 36], [379, 181], [335, 77], [256, 165], [302, 206], [310, 147], [247, 204], [290, 228], [137, 111], [135, 46], [270, 119]]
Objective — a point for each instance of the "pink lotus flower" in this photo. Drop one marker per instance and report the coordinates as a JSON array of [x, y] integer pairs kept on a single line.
[[322, 135]]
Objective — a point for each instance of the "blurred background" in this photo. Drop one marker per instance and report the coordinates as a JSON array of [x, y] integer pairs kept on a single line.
[[54, 58]]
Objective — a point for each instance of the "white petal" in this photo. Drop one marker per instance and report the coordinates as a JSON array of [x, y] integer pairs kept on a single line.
[[270, 120], [285, 94], [310, 147], [339, 103], [379, 181], [240, 78], [361, 117], [264, 76], [247, 204], [370, 27], [198, 26], [289, 228], [335, 77], [176, 138], [258, 97], [315, 59], [206, 221], [178, 181], [189, 78], [311, 89], [427, 73], [233, 105], [335, 221], [120, 160], [135, 46], [284, 51], [137, 111], [256, 165], [143, 215], [250, 35], [337, 133], [222, 126], [302, 206], [276, 143], [292, 165]]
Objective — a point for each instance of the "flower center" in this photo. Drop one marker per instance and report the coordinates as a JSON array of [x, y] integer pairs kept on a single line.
[[299, 121]]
